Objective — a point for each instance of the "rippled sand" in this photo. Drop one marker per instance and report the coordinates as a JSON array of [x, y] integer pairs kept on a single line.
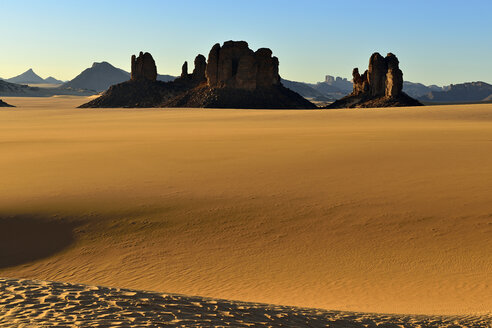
[[35, 303]]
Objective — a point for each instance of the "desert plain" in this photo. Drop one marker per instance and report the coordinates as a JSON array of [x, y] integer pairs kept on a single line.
[[366, 210]]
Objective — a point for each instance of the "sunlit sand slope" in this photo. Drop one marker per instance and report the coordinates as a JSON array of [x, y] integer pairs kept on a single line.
[[376, 210], [41, 303]]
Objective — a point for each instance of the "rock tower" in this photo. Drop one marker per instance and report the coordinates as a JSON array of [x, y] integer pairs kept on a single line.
[[143, 67]]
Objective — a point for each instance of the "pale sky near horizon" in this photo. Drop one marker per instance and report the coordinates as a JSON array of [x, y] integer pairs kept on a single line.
[[437, 42]]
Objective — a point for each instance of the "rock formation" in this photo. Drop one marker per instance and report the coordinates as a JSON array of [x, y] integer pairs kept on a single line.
[[200, 68], [143, 67], [394, 77], [198, 74], [4, 104], [184, 69], [142, 90], [380, 86], [234, 65], [235, 77], [238, 77]]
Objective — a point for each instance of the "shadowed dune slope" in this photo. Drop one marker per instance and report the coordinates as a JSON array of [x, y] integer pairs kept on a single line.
[[24, 239], [380, 210]]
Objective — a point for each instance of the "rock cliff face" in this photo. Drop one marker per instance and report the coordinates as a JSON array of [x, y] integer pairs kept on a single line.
[[4, 104], [380, 86], [143, 67], [394, 77], [234, 65], [383, 78]]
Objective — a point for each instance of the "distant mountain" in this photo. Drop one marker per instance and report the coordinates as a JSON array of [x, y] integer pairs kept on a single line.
[[336, 88], [52, 80], [8, 89], [418, 89], [101, 76], [165, 78], [28, 77], [305, 90], [460, 93]]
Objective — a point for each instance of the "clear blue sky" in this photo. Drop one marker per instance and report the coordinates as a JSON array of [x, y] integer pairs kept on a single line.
[[437, 42]]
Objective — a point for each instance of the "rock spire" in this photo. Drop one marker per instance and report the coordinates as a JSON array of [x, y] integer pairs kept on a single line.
[[143, 67]]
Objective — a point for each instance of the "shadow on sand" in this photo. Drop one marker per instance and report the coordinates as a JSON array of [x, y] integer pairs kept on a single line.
[[28, 238]]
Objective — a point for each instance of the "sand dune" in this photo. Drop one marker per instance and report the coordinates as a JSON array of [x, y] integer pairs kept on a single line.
[[380, 210], [33, 303]]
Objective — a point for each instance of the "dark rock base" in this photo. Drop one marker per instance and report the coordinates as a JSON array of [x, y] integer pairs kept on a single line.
[[274, 97], [363, 101], [137, 94]]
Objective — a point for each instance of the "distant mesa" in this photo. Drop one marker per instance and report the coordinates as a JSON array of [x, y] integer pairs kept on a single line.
[[234, 77], [379, 86], [309, 91], [461, 93], [4, 104], [338, 82]]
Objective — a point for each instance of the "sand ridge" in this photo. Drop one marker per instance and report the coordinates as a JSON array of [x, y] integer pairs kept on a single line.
[[380, 210], [35, 303]]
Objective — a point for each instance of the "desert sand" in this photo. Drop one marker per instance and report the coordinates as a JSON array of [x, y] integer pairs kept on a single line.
[[365, 210]]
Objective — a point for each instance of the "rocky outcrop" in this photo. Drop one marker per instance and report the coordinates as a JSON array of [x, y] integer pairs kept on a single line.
[[234, 77], [143, 68], [4, 104], [379, 86], [142, 90], [238, 77], [261, 98]]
